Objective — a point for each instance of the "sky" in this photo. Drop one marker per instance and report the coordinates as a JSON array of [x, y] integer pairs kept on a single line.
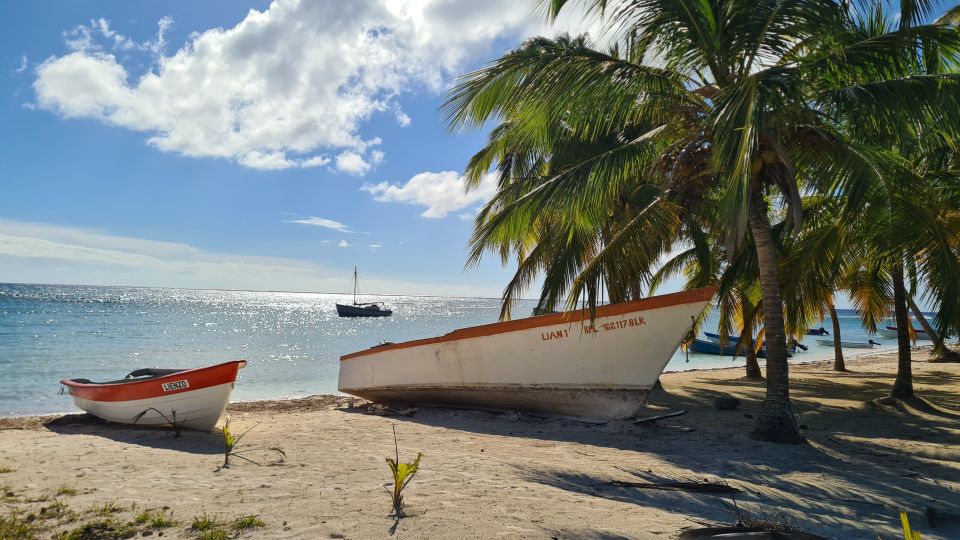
[[259, 145]]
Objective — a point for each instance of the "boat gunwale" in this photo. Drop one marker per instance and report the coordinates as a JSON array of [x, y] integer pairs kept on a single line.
[[609, 310]]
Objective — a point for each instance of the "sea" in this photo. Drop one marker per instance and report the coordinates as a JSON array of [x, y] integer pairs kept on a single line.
[[292, 341]]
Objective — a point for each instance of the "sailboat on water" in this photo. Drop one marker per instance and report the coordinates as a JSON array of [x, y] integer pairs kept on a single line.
[[368, 309]]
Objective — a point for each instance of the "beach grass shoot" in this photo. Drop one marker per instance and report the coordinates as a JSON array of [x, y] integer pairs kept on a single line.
[[108, 508], [4, 469], [204, 522], [402, 473], [247, 522], [67, 490], [104, 528], [155, 519], [16, 527]]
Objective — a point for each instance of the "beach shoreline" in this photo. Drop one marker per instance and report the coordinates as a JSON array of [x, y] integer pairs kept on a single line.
[[488, 474]]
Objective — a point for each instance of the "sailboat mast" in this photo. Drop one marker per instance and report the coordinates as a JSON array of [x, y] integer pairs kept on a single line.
[[354, 285]]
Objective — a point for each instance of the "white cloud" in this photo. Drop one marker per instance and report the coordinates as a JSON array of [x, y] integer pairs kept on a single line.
[[40, 253], [323, 222], [23, 65], [298, 78], [344, 243], [441, 192], [376, 246], [353, 163]]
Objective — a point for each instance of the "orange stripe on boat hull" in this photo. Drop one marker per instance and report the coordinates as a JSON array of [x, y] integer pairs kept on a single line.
[[152, 388], [609, 310]]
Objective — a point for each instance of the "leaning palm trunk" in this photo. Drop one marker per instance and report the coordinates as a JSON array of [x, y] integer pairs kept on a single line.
[[903, 385], [753, 367], [746, 340], [775, 423], [838, 364], [940, 348]]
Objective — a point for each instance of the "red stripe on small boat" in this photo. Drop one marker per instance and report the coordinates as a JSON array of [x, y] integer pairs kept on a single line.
[[151, 388], [609, 310]]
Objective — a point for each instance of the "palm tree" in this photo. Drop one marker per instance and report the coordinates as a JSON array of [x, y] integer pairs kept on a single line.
[[740, 101]]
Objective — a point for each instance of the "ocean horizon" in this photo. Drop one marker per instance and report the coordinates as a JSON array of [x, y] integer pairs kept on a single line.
[[292, 340]]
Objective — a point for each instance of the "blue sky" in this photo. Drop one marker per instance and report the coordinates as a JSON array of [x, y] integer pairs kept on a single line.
[[223, 144], [207, 145]]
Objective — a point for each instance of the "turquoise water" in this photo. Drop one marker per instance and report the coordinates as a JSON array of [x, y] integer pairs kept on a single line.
[[293, 341]]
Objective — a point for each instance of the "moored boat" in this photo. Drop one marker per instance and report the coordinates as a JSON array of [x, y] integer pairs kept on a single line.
[[193, 398], [890, 332], [869, 344], [562, 364], [713, 346], [369, 309]]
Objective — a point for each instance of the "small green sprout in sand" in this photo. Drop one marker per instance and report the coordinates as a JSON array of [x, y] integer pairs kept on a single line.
[[103, 528], [204, 523], [232, 447], [14, 527], [155, 519], [108, 508], [67, 490], [4, 469], [402, 474], [247, 522]]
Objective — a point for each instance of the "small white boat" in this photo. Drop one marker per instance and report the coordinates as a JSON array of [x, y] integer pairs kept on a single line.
[[559, 364], [193, 398], [869, 344]]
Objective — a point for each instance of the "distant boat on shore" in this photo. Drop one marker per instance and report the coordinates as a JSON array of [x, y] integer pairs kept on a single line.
[[563, 364], [792, 346], [890, 332], [368, 309], [191, 398], [869, 344], [729, 348]]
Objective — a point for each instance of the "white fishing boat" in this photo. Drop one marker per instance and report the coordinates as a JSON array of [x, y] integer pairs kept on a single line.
[[869, 344], [191, 398], [560, 364]]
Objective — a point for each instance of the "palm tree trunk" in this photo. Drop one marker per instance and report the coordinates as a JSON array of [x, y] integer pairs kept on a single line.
[[903, 385], [940, 348], [838, 364], [775, 423], [746, 341]]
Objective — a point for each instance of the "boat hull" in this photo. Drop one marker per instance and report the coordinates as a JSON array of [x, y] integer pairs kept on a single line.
[[193, 398], [346, 310], [890, 332], [728, 349], [559, 364], [847, 344]]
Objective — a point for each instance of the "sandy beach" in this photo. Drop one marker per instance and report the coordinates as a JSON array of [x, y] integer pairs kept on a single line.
[[488, 475]]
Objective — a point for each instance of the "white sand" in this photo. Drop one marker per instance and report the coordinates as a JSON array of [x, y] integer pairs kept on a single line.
[[497, 476]]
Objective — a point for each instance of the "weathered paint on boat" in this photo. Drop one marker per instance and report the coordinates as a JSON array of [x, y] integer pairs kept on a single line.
[[560, 364], [199, 397]]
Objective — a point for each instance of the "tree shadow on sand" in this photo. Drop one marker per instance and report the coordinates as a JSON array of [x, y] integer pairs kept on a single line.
[[190, 441], [863, 463]]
